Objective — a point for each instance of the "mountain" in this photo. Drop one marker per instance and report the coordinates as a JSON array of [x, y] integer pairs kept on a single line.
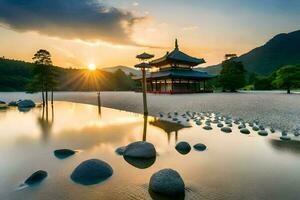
[[16, 75], [283, 49], [126, 70]]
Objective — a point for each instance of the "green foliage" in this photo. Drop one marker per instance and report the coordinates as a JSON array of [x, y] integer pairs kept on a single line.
[[232, 76], [248, 87], [288, 77], [263, 83]]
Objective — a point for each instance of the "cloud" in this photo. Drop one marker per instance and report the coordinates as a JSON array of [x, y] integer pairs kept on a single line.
[[87, 20]]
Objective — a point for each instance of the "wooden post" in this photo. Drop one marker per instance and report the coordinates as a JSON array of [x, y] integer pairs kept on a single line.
[[145, 128], [144, 92]]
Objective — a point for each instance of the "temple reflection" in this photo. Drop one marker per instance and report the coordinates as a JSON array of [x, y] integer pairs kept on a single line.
[[168, 128]]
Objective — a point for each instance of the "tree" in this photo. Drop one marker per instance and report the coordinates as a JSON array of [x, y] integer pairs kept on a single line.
[[288, 77], [44, 75], [232, 75]]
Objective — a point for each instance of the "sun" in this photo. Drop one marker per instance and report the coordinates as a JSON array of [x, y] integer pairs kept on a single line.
[[92, 67]]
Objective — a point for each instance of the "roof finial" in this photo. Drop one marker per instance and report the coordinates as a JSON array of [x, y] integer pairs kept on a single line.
[[176, 43]]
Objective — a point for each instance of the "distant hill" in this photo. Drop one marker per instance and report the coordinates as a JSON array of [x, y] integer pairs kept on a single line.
[[16, 75], [283, 49], [126, 70]]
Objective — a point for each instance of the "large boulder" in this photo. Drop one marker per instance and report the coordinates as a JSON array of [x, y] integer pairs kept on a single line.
[[167, 182], [36, 177], [140, 149], [183, 147], [26, 104], [91, 172], [64, 153]]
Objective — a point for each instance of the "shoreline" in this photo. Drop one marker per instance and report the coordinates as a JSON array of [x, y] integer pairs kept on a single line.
[[275, 109]]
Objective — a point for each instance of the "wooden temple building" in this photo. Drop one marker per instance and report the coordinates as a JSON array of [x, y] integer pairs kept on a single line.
[[175, 74]]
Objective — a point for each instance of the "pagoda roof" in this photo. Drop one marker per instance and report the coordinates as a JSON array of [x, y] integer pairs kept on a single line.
[[177, 56], [180, 73]]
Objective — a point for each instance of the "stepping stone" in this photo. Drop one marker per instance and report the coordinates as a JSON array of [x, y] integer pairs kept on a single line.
[[226, 129], [207, 128], [244, 131], [255, 128], [91, 172], [36, 177], [63, 153], [285, 138], [183, 147], [140, 149], [220, 125], [200, 147], [167, 182], [262, 133], [120, 150], [241, 126]]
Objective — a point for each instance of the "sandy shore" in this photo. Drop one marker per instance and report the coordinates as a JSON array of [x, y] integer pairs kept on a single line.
[[275, 109]]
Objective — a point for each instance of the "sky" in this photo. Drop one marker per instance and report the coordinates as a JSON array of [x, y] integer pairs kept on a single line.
[[112, 32]]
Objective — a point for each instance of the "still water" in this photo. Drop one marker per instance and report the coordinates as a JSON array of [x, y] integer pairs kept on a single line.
[[234, 166]]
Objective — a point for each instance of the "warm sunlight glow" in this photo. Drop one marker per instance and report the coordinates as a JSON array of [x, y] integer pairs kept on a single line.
[[92, 67]]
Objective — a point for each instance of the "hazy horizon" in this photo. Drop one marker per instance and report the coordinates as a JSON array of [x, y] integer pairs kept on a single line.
[[110, 33]]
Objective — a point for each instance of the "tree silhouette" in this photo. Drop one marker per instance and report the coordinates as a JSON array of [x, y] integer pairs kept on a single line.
[[44, 75], [288, 77]]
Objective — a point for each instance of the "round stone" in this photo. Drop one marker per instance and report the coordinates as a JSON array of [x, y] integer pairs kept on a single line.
[[63, 153], [272, 130], [200, 147], [26, 104], [241, 126], [255, 128], [140, 149], [183, 147], [36, 177], [91, 172], [167, 182], [226, 129], [220, 125], [285, 138], [207, 128], [261, 127], [262, 133], [244, 131]]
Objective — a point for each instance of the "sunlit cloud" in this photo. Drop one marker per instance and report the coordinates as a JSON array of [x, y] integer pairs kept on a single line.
[[86, 20]]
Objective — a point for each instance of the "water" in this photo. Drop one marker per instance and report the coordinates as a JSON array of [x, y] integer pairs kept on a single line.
[[234, 166]]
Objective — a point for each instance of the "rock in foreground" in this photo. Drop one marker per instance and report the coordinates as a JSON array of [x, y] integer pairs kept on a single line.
[[63, 153], [91, 172], [167, 182], [183, 147], [226, 129], [36, 177], [140, 149], [244, 131]]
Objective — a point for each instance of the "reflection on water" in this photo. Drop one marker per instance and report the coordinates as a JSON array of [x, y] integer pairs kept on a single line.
[[234, 166]]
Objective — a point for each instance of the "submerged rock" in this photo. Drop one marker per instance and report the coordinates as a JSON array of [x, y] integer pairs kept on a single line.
[[200, 147], [207, 128], [226, 129], [167, 182], [63, 153], [140, 149], [262, 133], [120, 151], [91, 172], [244, 131], [183, 147], [36, 177]]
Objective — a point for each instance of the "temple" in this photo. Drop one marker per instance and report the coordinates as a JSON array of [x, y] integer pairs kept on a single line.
[[175, 74]]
